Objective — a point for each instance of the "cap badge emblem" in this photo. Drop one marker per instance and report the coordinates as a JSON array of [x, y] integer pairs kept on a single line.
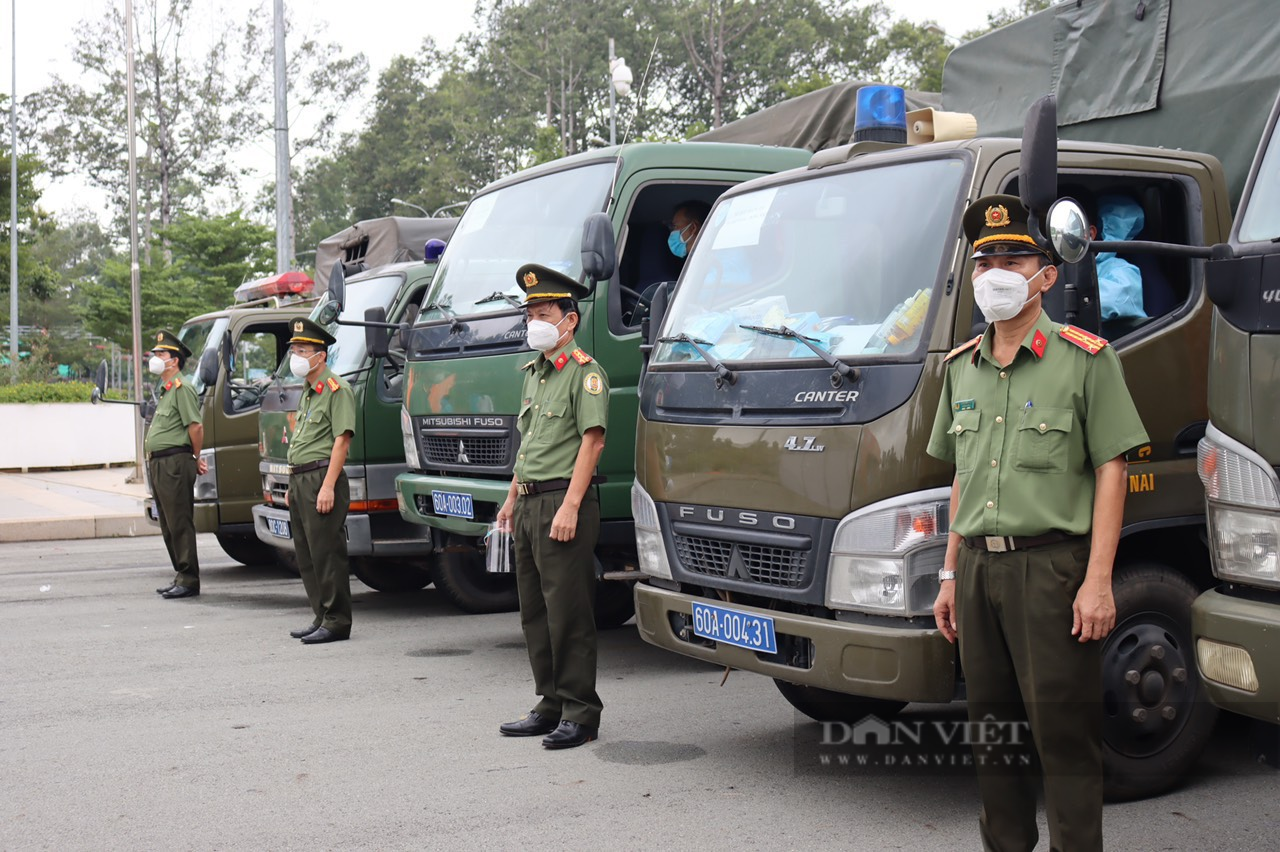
[[530, 280], [297, 327], [997, 216]]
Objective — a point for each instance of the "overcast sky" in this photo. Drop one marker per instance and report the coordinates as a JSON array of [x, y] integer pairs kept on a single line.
[[380, 29]]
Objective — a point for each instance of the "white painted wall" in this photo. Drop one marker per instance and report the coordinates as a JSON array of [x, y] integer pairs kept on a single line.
[[65, 434]]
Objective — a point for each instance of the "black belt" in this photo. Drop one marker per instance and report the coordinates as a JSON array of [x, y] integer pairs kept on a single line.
[[1003, 543], [172, 451], [307, 467], [549, 485]]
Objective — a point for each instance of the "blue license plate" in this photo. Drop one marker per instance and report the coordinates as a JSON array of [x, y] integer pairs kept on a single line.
[[743, 629], [453, 504], [278, 527]]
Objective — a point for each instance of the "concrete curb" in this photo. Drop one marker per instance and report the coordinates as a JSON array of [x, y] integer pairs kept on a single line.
[[57, 529]]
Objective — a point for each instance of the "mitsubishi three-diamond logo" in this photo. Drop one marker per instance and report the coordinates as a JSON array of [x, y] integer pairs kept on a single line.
[[462, 452]]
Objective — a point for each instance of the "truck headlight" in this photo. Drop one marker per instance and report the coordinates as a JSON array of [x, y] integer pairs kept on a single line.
[[411, 455], [1243, 509], [885, 557], [652, 552], [207, 482]]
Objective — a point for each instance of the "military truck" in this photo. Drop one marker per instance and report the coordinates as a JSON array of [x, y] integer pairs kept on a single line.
[[233, 353], [602, 216], [390, 262]]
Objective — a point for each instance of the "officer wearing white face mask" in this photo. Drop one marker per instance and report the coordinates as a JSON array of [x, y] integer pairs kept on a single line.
[[554, 513], [1036, 418]]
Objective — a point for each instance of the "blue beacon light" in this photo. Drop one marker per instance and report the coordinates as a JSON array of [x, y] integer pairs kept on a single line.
[[433, 250], [881, 115]]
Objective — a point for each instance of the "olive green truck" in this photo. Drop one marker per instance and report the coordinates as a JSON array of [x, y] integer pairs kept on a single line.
[[788, 519]]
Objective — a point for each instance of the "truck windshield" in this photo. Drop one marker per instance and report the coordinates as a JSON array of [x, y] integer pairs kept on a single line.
[[346, 355], [848, 261], [199, 336], [1261, 218], [534, 221]]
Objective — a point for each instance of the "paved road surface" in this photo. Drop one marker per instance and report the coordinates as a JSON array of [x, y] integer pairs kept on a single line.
[[130, 722]]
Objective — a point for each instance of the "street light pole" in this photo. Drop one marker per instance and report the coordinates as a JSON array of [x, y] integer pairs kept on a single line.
[[135, 272], [284, 197], [13, 204], [401, 201], [613, 104]]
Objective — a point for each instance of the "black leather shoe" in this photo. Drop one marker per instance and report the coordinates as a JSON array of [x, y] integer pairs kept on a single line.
[[180, 592], [165, 589], [304, 631], [322, 634], [570, 735], [533, 725]]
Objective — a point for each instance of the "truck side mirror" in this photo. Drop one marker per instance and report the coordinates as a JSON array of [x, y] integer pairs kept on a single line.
[[207, 369], [337, 284], [99, 391], [377, 338], [406, 326], [1038, 168], [1068, 230], [599, 248], [657, 313]]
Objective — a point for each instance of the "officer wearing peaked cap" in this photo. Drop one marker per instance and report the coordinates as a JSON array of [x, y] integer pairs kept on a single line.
[[172, 447], [319, 495], [1036, 418], [554, 513]]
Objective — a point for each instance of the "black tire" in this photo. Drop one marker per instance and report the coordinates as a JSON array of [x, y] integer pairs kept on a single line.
[[389, 575], [459, 574], [1149, 675], [615, 603], [288, 560], [823, 705], [246, 549]]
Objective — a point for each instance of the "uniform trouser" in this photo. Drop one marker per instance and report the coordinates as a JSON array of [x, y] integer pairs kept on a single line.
[[1021, 664], [557, 584], [173, 481], [320, 543]]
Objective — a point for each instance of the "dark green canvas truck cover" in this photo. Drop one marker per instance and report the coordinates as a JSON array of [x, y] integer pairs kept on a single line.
[[816, 120], [377, 242], [1130, 72]]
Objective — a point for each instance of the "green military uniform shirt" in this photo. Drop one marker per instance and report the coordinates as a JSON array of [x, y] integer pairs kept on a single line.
[[327, 409], [1026, 438], [565, 394], [178, 408]]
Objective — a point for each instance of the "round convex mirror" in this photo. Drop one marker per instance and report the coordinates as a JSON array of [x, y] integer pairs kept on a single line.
[[1069, 230], [329, 313]]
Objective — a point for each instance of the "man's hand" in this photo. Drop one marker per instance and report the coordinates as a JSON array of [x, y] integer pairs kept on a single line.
[[324, 500], [1094, 610], [505, 514], [202, 467], [944, 610], [565, 524]]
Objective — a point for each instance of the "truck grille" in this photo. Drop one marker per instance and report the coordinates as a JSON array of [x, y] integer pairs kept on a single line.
[[770, 566], [442, 450], [468, 443]]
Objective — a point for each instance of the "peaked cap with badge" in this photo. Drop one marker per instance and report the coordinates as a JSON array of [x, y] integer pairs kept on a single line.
[[539, 282], [997, 227], [169, 341], [306, 331]]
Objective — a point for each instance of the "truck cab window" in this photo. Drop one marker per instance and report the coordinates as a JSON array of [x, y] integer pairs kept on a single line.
[[257, 352]]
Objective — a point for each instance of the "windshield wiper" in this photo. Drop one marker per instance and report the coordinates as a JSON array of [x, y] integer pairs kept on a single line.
[[444, 307], [842, 370], [499, 295], [723, 373]]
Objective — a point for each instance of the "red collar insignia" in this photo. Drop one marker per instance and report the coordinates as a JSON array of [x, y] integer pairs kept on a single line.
[[560, 361], [168, 385], [1038, 343], [319, 387]]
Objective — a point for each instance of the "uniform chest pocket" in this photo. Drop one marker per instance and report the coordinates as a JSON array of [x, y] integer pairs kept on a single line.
[[1044, 440], [966, 426], [523, 418]]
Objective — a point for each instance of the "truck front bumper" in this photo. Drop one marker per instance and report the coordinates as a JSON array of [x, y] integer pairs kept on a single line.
[[1238, 653], [413, 495], [899, 664], [382, 534]]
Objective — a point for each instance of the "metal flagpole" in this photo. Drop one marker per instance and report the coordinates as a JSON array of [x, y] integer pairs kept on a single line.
[[284, 212], [13, 204], [135, 283]]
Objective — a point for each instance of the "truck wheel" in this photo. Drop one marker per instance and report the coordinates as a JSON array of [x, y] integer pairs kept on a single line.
[[823, 705], [387, 575], [459, 574], [1157, 717], [615, 603], [246, 549], [288, 560]]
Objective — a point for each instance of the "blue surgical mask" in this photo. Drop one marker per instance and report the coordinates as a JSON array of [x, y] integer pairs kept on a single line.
[[675, 242]]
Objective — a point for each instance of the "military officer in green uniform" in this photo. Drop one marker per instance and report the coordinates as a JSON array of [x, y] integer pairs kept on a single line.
[[1036, 418], [319, 495], [172, 447], [554, 513]]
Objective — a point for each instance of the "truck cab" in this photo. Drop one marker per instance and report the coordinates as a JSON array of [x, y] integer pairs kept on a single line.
[[602, 216], [386, 553], [788, 519]]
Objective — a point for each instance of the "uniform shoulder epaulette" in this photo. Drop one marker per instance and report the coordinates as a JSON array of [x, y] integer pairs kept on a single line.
[[963, 347], [1090, 343], [177, 381], [528, 364], [334, 384], [580, 356]]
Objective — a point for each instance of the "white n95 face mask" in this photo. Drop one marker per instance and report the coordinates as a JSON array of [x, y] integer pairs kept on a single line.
[[543, 335], [299, 365], [155, 365], [1002, 293]]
